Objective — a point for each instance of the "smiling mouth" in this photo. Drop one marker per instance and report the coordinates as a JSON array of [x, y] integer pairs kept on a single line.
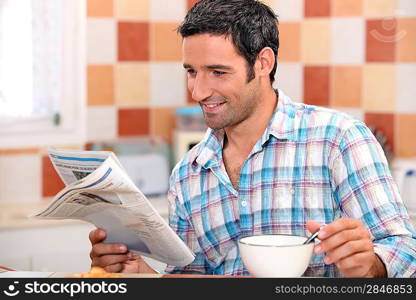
[[212, 107]]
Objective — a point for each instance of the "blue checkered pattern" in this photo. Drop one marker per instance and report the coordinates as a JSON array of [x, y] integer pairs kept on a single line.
[[311, 163]]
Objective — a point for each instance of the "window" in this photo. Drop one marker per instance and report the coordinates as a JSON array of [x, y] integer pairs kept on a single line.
[[42, 72]]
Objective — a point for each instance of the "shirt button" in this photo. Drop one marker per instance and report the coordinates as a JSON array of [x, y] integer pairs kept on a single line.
[[244, 203], [292, 191]]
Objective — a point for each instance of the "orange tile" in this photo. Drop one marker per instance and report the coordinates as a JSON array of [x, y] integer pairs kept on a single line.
[[133, 121], [100, 8], [316, 41], [346, 86], [100, 85], [162, 122], [190, 3], [289, 35], [166, 43], [379, 88], [405, 139], [316, 85], [406, 36], [381, 40], [317, 8], [133, 41], [347, 8], [383, 122], [51, 183]]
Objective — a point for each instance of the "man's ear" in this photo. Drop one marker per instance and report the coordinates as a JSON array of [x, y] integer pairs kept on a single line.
[[265, 62]]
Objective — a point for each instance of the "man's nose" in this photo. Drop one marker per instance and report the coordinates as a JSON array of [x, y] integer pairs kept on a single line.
[[200, 88]]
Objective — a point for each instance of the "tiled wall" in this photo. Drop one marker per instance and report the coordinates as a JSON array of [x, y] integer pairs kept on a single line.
[[358, 56]]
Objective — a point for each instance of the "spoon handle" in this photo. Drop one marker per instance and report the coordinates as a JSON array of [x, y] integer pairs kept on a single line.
[[312, 237]]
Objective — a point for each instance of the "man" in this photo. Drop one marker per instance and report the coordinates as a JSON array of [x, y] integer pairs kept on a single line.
[[269, 165]]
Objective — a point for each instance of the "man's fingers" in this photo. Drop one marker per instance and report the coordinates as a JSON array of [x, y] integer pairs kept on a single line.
[[106, 249], [312, 226], [347, 249], [339, 239], [115, 268], [337, 226], [97, 236], [108, 260]]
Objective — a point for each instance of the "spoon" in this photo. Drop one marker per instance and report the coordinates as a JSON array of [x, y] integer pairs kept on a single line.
[[311, 238]]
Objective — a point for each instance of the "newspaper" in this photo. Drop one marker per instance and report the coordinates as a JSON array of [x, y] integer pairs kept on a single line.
[[99, 191]]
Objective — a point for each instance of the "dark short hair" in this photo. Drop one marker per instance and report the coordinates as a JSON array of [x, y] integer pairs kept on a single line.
[[251, 24]]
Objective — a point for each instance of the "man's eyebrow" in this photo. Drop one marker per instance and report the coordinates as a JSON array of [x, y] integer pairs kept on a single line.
[[223, 67]]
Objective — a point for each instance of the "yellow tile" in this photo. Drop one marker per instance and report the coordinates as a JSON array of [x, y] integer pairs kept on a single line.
[[132, 84], [379, 87], [380, 8], [406, 40], [405, 141], [166, 43], [133, 9], [315, 41]]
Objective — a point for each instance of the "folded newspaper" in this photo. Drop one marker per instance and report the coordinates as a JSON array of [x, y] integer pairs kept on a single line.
[[99, 191]]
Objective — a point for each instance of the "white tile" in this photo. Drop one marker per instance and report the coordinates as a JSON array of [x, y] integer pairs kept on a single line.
[[167, 10], [286, 11], [102, 123], [101, 41], [406, 8], [406, 88], [356, 113], [20, 178], [289, 78], [168, 84], [348, 40]]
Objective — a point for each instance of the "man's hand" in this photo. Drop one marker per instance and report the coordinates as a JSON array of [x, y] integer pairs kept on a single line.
[[348, 245], [115, 258]]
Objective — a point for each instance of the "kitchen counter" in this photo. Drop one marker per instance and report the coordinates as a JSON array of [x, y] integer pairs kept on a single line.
[[18, 215]]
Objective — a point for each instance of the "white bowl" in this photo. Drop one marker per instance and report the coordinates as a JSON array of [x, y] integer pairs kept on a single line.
[[275, 255]]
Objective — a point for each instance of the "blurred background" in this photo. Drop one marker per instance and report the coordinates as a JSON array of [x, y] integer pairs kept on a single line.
[[108, 75]]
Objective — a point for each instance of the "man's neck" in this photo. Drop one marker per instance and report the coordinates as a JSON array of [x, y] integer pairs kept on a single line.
[[244, 135]]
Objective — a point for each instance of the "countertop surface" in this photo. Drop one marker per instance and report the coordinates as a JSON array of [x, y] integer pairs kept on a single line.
[[19, 215]]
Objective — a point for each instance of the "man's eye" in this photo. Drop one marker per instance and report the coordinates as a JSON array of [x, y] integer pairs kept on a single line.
[[191, 72], [219, 73]]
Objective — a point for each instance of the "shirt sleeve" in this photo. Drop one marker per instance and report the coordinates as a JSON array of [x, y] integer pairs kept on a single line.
[[182, 227], [365, 190]]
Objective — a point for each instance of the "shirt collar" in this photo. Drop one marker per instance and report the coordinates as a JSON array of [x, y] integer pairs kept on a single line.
[[281, 126]]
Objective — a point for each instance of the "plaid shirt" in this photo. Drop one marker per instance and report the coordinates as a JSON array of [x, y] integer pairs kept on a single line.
[[311, 163]]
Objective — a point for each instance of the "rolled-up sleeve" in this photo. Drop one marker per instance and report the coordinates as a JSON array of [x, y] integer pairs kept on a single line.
[[365, 190]]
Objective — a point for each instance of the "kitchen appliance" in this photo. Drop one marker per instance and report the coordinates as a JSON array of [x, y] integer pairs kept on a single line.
[[146, 161]]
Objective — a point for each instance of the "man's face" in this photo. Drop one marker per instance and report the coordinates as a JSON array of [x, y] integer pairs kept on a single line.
[[217, 79]]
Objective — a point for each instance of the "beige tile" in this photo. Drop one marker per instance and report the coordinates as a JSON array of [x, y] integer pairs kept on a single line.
[[132, 84], [315, 41], [405, 140], [379, 87], [380, 8], [132, 9]]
